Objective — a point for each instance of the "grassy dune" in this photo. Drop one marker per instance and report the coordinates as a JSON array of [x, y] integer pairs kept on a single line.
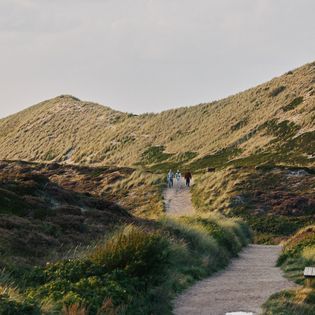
[[271, 122], [136, 270], [298, 252], [92, 239], [275, 201], [81, 240], [47, 209]]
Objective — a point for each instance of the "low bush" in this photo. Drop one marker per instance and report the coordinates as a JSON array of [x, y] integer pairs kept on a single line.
[[12, 307], [138, 252], [276, 91]]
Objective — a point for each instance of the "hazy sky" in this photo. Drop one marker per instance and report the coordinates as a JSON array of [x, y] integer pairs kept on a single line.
[[147, 55]]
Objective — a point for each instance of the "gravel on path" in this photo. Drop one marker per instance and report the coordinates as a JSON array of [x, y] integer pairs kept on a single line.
[[243, 287], [178, 200]]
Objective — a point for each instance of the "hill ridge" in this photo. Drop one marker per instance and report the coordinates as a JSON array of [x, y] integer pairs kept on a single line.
[[274, 117]]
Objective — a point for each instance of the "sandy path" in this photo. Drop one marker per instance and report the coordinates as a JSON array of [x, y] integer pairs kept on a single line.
[[178, 200], [243, 286]]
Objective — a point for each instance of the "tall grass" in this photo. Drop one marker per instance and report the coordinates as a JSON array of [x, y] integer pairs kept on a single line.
[[104, 136], [298, 252], [138, 269]]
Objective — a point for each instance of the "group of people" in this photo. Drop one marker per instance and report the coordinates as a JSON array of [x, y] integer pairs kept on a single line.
[[178, 176]]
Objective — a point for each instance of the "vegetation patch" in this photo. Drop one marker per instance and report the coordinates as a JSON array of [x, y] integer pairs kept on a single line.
[[155, 154], [240, 124], [137, 270], [276, 91], [275, 201], [294, 104], [298, 252], [178, 161], [46, 209], [283, 130], [216, 160]]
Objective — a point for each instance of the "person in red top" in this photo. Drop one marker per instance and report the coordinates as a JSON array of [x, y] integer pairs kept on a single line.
[[188, 177]]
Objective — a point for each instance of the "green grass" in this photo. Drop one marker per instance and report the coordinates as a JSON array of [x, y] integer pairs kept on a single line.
[[298, 252], [136, 270], [288, 303], [217, 160], [154, 154]]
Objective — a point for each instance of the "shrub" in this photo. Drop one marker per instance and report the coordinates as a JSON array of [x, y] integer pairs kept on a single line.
[[133, 249], [12, 307], [275, 92]]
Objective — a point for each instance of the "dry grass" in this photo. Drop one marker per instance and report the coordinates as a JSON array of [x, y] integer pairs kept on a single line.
[[75, 309], [275, 201], [140, 193], [308, 253], [69, 130]]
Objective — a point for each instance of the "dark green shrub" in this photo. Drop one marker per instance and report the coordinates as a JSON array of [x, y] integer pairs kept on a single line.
[[275, 92], [11, 307]]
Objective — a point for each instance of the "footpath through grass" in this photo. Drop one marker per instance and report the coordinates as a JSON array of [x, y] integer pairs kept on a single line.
[[137, 270], [298, 252]]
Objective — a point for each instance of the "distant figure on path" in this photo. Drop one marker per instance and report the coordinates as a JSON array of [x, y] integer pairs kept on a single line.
[[170, 178], [178, 177], [188, 177]]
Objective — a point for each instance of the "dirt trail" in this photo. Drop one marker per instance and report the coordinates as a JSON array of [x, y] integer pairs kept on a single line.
[[178, 200], [244, 286]]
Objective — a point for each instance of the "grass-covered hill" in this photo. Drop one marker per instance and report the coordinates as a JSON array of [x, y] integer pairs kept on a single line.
[[72, 242], [275, 201], [272, 122], [42, 216]]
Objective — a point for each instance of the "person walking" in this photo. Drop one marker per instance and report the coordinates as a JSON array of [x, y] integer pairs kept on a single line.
[[178, 177], [188, 178], [170, 179]]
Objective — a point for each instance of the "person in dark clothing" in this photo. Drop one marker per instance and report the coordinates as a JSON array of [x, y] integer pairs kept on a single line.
[[188, 177]]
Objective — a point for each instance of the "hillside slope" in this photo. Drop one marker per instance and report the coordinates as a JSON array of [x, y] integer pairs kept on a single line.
[[274, 201], [274, 121]]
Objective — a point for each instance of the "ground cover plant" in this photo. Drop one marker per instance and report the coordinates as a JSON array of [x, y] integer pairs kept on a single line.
[[136, 270], [298, 252]]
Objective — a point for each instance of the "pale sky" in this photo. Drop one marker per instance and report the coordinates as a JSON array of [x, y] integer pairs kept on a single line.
[[147, 55]]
